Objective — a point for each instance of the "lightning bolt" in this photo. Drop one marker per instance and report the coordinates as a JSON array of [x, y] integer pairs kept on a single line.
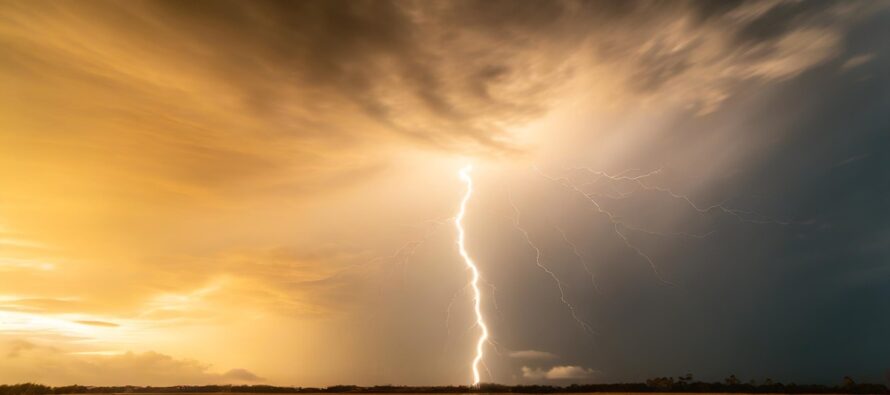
[[559, 284], [474, 282], [739, 214], [580, 257], [448, 309], [616, 224]]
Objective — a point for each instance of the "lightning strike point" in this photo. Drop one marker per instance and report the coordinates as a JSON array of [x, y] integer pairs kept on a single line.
[[474, 282]]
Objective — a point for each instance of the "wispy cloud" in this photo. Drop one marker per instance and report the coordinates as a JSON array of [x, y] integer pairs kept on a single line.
[[50, 365], [857, 61], [567, 372]]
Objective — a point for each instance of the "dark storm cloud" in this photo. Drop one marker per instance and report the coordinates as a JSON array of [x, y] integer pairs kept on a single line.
[[356, 51], [453, 75], [803, 302], [705, 10], [779, 20], [125, 119], [752, 299]]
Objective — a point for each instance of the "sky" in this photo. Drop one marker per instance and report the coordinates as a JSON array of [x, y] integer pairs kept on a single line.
[[263, 192]]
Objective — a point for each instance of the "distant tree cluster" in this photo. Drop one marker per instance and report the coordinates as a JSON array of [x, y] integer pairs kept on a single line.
[[659, 384]]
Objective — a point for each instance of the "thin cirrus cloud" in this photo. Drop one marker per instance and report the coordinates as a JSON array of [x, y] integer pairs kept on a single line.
[[857, 61], [563, 372], [97, 323]]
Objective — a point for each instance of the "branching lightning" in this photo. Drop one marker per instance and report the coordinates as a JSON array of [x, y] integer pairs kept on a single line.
[[581, 259], [619, 228], [740, 215], [616, 224], [405, 252], [559, 284], [474, 282], [450, 305], [494, 298]]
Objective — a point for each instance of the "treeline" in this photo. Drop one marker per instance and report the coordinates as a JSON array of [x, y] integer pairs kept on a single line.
[[660, 384]]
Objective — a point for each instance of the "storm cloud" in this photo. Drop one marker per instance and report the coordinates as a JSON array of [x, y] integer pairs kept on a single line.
[[272, 175]]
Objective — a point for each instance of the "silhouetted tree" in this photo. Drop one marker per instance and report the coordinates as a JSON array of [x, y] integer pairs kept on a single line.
[[658, 384], [732, 380]]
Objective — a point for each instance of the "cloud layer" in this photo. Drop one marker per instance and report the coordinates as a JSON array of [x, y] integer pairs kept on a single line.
[[53, 366], [557, 373]]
